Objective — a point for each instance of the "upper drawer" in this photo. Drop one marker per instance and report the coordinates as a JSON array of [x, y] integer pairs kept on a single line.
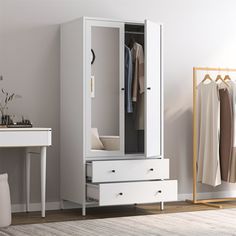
[[25, 138], [128, 170]]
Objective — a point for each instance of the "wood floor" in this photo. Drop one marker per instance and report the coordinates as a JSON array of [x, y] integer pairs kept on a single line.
[[106, 212]]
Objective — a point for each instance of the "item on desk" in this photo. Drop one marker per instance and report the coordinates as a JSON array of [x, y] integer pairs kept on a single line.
[[24, 123], [5, 99], [6, 120], [19, 126]]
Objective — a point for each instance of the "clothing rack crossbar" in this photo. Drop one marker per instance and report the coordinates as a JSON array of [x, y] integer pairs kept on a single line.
[[208, 201], [214, 69]]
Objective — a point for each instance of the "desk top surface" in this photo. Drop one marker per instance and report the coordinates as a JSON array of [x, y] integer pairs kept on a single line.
[[24, 129]]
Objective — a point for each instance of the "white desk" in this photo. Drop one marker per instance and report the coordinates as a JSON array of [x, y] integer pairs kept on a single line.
[[29, 137]]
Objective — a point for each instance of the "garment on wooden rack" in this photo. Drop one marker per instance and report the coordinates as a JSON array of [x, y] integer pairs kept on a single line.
[[208, 162], [232, 89], [138, 83], [226, 131], [128, 80]]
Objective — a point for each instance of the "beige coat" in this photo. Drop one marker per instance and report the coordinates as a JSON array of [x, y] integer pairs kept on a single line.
[[138, 84], [208, 134]]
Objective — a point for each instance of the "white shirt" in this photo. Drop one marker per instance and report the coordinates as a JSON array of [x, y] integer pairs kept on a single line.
[[208, 134]]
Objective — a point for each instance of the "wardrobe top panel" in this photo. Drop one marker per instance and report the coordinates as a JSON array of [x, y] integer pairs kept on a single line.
[[115, 20], [108, 19]]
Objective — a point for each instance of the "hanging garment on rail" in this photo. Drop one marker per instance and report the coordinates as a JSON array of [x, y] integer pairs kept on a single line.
[[128, 80], [226, 131], [208, 134], [140, 113], [138, 70], [232, 89], [138, 84]]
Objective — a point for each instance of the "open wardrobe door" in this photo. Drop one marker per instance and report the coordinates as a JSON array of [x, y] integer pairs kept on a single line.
[[104, 88], [153, 93]]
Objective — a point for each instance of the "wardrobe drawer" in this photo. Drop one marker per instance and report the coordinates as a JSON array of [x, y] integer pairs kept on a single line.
[[133, 192], [128, 170]]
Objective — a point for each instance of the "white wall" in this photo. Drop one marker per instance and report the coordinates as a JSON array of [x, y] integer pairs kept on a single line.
[[196, 33]]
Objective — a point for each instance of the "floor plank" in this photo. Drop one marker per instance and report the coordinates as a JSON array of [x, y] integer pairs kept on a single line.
[[106, 212]]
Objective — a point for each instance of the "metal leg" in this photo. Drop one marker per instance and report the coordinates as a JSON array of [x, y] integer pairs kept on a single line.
[[43, 179], [84, 210], [27, 168], [62, 204], [162, 206]]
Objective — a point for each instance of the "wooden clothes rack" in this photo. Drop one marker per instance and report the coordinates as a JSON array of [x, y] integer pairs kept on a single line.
[[209, 201]]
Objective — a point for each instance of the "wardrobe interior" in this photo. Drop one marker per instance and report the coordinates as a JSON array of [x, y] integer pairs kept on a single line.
[[106, 103], [134, 135]]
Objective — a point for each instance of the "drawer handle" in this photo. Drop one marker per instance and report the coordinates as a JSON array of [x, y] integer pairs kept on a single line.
[[113, 171], [159, 191], [151, 169], [121, 194]]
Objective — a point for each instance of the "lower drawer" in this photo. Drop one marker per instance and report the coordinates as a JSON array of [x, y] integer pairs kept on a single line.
[[133, 192]]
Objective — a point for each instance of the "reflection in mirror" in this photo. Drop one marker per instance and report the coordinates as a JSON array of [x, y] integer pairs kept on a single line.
[[105, 92]]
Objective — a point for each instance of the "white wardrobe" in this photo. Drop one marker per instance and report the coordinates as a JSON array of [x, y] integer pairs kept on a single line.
[[105, 158]]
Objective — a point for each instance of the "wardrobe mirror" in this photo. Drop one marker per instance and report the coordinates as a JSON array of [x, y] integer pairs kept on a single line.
[[105, 92]]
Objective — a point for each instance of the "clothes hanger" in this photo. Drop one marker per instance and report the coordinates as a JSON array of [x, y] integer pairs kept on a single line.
[[131, 42], [227, 78], [218, 77], [221, 79], [206, 77]]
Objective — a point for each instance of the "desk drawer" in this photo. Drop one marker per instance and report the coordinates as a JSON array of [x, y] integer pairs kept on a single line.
[[24, 138], [128, 170], [133, 192]]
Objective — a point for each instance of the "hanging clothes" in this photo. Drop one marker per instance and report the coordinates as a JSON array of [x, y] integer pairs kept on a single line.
[[138, 77], [226, 131], [232, 90], [139, 122], [128, 80], [138, 83], [208, 162]]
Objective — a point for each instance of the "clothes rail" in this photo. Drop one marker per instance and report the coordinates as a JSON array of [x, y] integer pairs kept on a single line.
[[133, 32], [195, 200]]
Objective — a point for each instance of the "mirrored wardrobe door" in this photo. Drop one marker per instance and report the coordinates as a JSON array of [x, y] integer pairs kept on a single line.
[[104, 88]]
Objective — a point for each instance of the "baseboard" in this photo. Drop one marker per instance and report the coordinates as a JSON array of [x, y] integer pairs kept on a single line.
[[207, 195], [70, 205], [35, 207]]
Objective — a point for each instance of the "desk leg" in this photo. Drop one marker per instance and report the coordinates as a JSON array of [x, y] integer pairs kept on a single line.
[[43, 179], [162, 206], [27, 167]]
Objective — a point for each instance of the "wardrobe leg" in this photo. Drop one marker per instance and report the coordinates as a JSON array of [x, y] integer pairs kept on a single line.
[[62, 204], [162, 206], [83, 210]]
